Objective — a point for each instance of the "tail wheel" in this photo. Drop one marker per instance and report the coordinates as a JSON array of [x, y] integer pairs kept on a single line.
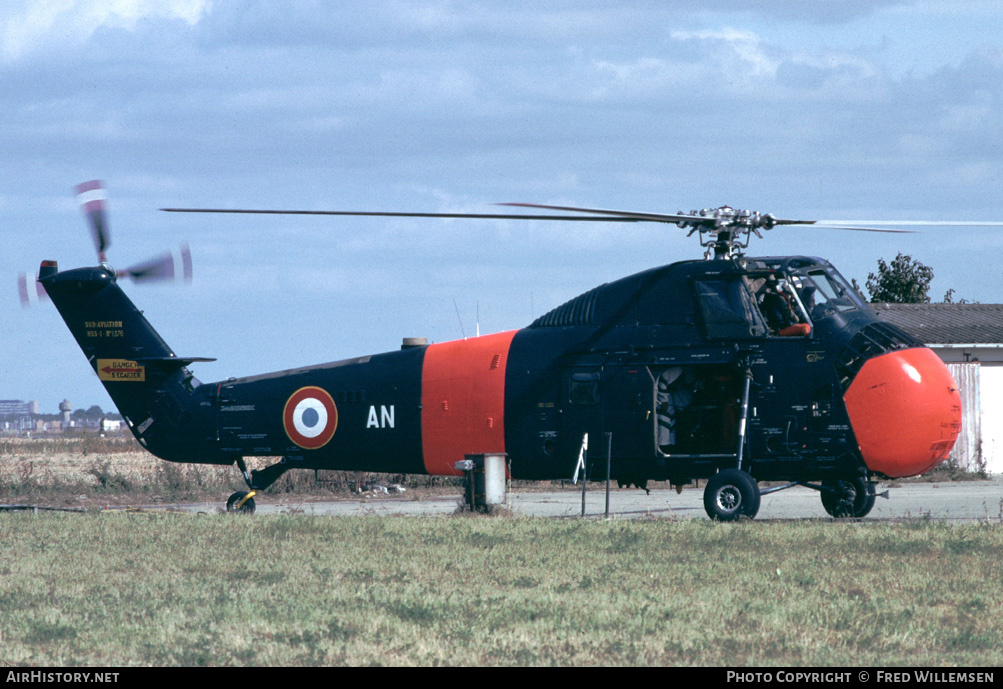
[[730, 495], [241, 502], [846, 499]]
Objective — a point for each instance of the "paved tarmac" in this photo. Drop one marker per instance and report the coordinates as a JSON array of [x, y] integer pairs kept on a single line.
[[957, 502]]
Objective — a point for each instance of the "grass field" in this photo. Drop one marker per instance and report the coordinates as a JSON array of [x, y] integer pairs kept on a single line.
[[167, 588], [181, 589]]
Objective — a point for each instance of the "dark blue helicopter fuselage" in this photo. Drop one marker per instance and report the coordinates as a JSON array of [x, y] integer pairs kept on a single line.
[[658, 361]]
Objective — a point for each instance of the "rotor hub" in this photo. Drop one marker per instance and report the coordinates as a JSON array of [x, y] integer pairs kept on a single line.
[[725, 230]]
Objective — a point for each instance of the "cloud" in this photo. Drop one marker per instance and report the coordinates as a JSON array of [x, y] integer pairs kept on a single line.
[[817, 12], [844, 109], [745, 47], [31, 26], [716, 63]]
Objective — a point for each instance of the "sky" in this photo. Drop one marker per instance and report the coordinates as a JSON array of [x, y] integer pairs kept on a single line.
[[835, 109]]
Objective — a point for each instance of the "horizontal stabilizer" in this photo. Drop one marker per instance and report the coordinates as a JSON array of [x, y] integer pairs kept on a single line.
[[171, 362]]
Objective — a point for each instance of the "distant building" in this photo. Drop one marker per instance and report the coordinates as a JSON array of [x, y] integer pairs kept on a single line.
[[65, 411], [15, 416], [21, 418], [110, 426], [969, 339]]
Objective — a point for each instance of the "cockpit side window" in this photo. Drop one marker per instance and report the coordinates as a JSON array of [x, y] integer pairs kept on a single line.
[[728, 309]]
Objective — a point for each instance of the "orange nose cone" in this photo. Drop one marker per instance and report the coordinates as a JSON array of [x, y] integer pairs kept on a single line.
[[905, 410]]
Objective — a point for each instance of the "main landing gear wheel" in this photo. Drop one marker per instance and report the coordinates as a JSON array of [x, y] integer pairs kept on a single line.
[[851, 498], [241, 502], [730, 495]]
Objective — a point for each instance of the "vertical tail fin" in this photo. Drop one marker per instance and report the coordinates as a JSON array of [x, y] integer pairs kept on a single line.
[[151, 387]]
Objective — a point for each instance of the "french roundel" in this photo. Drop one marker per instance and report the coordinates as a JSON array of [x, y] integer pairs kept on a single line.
[[310, 417]]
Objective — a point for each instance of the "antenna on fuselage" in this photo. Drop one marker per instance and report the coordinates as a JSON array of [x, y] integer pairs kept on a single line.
[[462, 332]]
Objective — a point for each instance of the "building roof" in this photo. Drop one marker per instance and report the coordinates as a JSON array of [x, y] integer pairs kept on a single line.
[[944, 324]]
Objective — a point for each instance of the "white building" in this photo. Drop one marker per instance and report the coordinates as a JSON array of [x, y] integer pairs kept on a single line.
[[969, 338]]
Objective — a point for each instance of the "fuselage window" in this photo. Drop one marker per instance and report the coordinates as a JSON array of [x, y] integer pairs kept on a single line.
[[583, 388], [728, 309]]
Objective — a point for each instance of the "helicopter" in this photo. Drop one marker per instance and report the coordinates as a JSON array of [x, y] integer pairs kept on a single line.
[[733, 369]]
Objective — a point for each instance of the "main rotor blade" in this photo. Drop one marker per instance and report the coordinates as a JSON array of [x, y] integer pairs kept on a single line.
[[842, 224], [605, 215], [627, 215], [690, 219], [822, 225], [386, 214]]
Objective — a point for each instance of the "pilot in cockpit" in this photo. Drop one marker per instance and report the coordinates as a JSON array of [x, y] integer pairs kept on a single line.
[[780, 314]]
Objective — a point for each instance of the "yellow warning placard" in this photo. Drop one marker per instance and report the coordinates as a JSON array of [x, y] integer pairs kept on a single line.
[[120, 370]]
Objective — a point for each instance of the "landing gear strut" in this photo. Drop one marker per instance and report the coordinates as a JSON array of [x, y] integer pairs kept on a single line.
[[243, 501], [732, 493]]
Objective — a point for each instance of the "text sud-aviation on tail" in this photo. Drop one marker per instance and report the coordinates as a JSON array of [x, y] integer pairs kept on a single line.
[[732, 369]]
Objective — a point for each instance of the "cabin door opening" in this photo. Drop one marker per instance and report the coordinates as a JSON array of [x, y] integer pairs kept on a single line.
[[697, 409]]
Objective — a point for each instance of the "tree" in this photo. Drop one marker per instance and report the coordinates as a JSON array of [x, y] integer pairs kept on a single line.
[[905, 281], [949, 298], [94, 412]]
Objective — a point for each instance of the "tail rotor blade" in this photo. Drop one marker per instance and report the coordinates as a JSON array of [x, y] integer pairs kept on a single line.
[[93, 201], [174, 265], [186, 262], [29, 289], [154, 270]]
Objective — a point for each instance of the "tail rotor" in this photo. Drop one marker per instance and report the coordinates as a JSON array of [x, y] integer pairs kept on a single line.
[[171, 266]]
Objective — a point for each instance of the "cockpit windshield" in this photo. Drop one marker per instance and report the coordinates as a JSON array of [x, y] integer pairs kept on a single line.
[[824, 293], [820, 288]]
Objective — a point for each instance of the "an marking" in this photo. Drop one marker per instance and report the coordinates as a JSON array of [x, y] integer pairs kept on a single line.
[[385, 418], [120, 370], [310, 417]]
